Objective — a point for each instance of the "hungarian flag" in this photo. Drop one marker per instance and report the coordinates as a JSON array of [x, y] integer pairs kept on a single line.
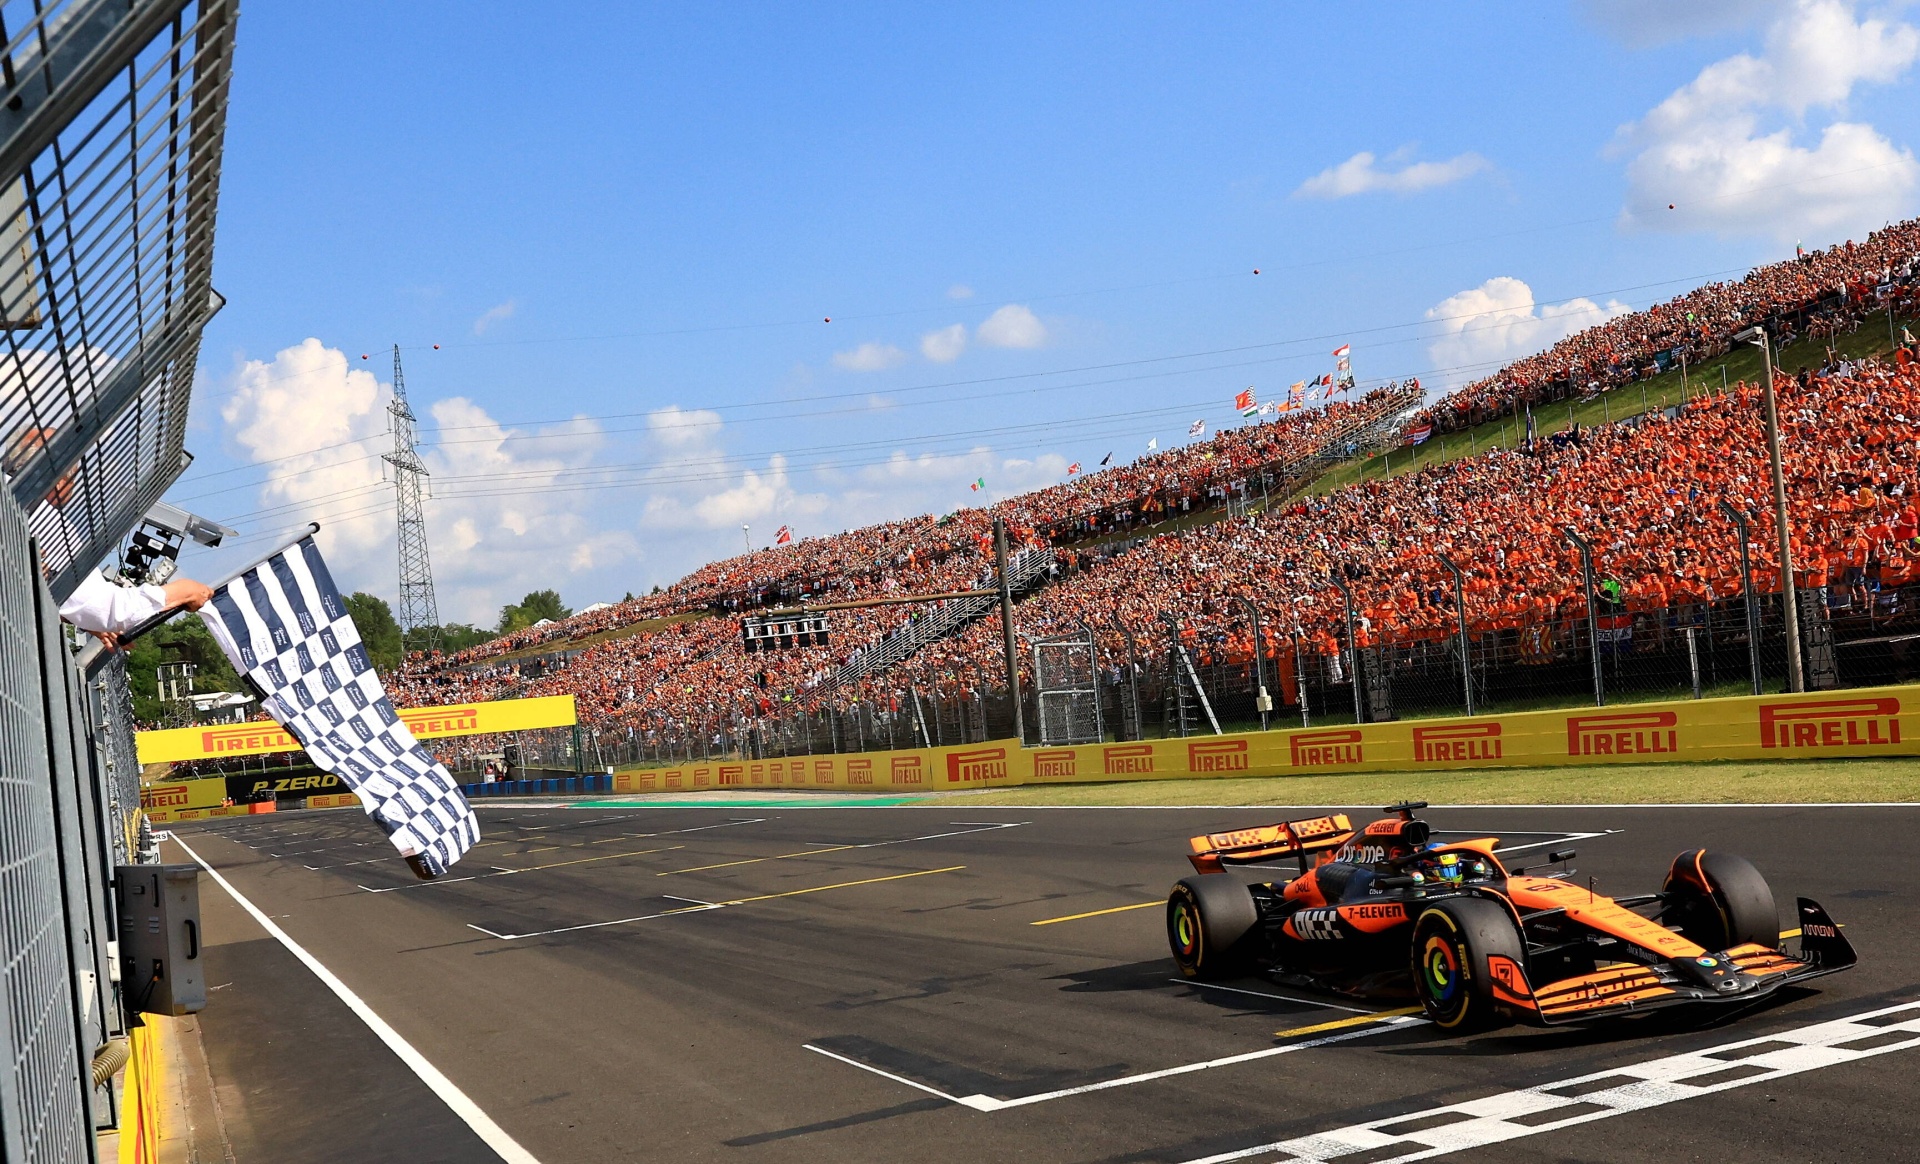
[[782, 536], [1245, 403], [1073, 468], [978, 485], [1197, 427], [1417, 435], [1341, 352]]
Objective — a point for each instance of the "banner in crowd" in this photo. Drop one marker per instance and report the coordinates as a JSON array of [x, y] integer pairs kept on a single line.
[[1881, 721], [286, 629], [213, 741]]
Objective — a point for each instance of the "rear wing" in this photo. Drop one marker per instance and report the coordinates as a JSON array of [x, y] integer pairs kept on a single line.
[[1294, 838]]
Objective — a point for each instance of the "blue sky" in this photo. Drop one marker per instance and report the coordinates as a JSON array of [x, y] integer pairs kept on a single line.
[[1034, 230]]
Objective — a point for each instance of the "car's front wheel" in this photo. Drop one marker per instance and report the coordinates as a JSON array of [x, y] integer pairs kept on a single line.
[[1452, 944]]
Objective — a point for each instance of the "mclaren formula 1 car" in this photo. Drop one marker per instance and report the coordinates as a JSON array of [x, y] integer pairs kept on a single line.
[[1482, 944]]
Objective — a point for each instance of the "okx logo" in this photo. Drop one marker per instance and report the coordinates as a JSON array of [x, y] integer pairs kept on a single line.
[[1830, 723]]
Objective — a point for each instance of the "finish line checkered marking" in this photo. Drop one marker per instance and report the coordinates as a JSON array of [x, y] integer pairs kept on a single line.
[[1569, 1102]]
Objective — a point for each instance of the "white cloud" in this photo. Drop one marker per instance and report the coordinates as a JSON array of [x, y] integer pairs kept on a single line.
[[1645, 23], [869, 357], [1361, 174], [1704, 159], [945, 345], [1013, 326], [959, 291], [674, 426], [498, 313], [496, 526], [1486, 326]]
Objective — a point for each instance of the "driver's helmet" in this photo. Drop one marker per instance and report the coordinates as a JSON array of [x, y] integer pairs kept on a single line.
[[1445, 868]]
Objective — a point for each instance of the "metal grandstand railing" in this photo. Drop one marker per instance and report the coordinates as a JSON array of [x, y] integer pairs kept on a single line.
[[112, 115], [949, 617]]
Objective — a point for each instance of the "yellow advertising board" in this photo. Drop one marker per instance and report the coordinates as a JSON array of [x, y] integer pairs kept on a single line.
[[212, 741], [1880, 721]]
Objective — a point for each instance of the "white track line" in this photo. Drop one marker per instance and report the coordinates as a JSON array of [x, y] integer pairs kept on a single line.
[[469, 1112], [1263, 994], [1634, 1087], [989, 1103]]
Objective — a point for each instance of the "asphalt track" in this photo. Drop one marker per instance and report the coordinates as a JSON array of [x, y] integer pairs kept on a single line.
[[787, 983]]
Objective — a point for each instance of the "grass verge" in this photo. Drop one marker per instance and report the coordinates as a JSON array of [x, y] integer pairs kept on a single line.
[[1721, 782]]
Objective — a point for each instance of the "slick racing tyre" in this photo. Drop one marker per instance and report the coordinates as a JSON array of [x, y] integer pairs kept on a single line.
[[1451, 944], [1720, 901], [1208, 921]]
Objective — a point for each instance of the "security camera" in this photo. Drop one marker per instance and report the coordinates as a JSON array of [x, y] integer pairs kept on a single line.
[[154, 550]]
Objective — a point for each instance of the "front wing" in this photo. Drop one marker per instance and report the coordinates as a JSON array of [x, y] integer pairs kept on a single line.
[[1620, 989]]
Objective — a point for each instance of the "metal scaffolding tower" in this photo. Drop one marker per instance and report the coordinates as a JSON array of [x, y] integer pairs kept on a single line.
[[418, 614]]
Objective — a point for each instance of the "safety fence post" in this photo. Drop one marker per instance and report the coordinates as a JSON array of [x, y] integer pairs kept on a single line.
[[1593, 621]]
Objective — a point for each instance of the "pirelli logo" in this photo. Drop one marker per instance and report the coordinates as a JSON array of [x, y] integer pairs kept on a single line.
[[1467, 741], [1626, 733], [671, 779], [1830, 723], [165, 796], [822, 772], [1127, 759], [1062, 764], [979, 764], [1327, 748], [906, 770], [756, 773], [253, 737], [859, 771], [442, 721], [1217, 756], [702, 777], [732, 774]]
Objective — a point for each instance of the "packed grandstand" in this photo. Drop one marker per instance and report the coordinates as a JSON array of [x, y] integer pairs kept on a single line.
[[1646, 493]]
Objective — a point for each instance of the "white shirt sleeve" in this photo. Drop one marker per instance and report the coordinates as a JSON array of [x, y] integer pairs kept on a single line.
[[99, 605]]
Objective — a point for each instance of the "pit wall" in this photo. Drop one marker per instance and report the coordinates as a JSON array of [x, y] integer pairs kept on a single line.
[[1882, 721]]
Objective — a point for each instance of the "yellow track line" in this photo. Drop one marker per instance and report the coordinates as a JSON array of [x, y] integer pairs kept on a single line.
[[601, 857], [752, 861], [1096, 913], [840, 885], [1356, 1021]]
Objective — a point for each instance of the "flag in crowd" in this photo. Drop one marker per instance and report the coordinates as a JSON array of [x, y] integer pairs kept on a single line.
[[1245, 404], [1197, 427], [1073, 468], [287, 631], [1296, 397], [1270, 408], [1532, 432], [1341, 352], [1418, 434], [1906, 336], [1106, 460], [782, 536], [1153, 443], [978, 484]]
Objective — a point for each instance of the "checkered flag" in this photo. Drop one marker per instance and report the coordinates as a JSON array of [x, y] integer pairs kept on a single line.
[[285, 627]]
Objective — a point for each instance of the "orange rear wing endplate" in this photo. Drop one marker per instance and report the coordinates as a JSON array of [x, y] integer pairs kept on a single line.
[[1294, 838]]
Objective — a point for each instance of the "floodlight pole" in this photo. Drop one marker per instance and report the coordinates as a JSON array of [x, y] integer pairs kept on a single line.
[[1740, 523], [1006, 628], [1460, 610], [1263, 701], [1353, 648], [1789, 596], [1593, 621]]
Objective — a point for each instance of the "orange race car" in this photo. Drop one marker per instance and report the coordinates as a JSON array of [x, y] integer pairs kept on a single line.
[[1483, 944]]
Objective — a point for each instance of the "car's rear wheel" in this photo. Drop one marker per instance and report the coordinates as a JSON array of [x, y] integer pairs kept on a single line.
[[1452, 942], [1208, 921], [1719, 901]]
